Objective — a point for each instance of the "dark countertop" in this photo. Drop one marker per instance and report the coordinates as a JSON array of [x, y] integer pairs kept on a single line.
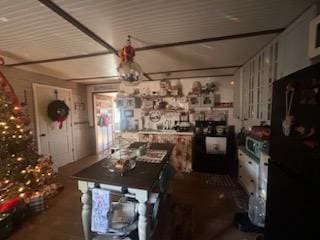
[[143, 176], [253, 157]]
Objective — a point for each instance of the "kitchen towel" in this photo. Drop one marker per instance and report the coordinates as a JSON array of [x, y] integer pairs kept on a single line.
[[100, 209]]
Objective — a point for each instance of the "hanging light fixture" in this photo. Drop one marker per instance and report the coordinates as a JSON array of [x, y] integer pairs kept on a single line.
[[129, 70]]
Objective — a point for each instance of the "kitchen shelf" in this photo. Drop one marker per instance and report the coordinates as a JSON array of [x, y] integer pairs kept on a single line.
[[164, 110], [159, 96]]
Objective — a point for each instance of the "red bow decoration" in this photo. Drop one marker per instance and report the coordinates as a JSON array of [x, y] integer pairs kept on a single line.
[[127, 52]]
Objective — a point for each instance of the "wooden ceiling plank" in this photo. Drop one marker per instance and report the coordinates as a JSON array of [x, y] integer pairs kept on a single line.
[[55, 8], [59, 59]]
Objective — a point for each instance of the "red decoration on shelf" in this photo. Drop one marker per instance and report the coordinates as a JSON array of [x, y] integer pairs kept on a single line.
[[224, 105]]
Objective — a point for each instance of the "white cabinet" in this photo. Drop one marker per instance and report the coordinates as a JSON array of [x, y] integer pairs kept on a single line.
[[287, 53], [237, 95], [294, 44], [248, 172], [257, 78]]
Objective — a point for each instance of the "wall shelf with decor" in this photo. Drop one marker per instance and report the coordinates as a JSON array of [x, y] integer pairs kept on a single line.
[[200, 101]]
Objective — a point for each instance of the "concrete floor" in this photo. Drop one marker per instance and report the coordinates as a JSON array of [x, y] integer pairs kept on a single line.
[[213, 210]]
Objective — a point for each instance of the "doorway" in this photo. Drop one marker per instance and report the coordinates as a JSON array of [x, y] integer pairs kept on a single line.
[[104, 120], [53, 139]]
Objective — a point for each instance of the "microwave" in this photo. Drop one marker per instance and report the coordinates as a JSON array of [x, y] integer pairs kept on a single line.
[[255, 146]]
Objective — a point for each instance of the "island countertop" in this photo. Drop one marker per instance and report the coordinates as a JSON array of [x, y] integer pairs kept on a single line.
[[143, 176]]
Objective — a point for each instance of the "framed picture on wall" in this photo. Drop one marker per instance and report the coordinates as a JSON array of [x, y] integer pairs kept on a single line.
[[130, 102], [120, 103], [314, 38], [128, 113]]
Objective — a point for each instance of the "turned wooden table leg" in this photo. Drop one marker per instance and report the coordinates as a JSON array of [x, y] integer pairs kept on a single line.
[[86, 214], [142, 221]]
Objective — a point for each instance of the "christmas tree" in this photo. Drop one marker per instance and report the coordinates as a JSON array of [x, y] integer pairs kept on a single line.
[[22, 170]]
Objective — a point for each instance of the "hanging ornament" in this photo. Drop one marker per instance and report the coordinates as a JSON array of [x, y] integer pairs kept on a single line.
[[288, 121], [58, 111], [129, 71]]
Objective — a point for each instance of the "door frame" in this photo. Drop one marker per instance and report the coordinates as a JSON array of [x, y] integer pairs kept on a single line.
[[36, 115]]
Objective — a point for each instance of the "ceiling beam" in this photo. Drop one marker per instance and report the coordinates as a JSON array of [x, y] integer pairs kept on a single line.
[[181, 78], [151, 47], [195, 69], [91, 78], [157, 79], [55, 8], [213, 39], [154, 73]]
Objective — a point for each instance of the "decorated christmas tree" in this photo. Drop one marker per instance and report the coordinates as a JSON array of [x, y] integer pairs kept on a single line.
[[22, 170]]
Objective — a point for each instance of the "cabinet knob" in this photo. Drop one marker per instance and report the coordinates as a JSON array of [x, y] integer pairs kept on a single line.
[[266, 164], [42, 135], [252, 180], [240, 166], [240, 154], [250, 162], [240, 176]]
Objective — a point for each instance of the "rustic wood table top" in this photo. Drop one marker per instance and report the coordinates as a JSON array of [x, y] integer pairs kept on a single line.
[[143, 176]]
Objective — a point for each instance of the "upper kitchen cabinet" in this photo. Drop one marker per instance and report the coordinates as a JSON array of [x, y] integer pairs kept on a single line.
[[287, 53], [293, 44], [256, 83]]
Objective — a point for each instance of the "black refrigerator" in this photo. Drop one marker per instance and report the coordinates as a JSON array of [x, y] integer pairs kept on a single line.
[[293, 201]]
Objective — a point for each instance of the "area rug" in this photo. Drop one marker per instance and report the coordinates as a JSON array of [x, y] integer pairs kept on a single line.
[[217, 180]]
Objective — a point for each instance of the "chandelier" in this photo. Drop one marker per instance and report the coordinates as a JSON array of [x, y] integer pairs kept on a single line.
[[130, 71]]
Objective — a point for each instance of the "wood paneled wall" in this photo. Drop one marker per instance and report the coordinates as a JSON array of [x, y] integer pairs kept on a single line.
[[22, 83]]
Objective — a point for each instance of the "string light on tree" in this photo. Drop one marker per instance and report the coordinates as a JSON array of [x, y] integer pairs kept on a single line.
[[22, 170]]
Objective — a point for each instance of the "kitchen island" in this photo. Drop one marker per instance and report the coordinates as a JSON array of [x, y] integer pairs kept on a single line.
[[138, 183], [181, 157]]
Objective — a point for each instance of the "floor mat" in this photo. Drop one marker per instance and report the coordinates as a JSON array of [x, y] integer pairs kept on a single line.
[[217, 180]]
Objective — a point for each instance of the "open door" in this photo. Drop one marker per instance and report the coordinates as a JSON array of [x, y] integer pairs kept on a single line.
[[103, 120], [53, 140]]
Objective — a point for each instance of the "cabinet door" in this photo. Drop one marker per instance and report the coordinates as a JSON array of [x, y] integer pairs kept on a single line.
[[248, 173], [245, 91], [271, 75], [237, 98]]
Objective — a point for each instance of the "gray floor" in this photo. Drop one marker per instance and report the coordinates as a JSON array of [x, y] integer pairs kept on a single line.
[[213, 210]]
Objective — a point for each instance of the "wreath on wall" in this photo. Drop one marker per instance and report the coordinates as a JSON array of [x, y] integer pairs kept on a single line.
[[58, 111]]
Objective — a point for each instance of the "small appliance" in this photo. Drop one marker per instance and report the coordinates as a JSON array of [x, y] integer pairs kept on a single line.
[[255, 146]]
